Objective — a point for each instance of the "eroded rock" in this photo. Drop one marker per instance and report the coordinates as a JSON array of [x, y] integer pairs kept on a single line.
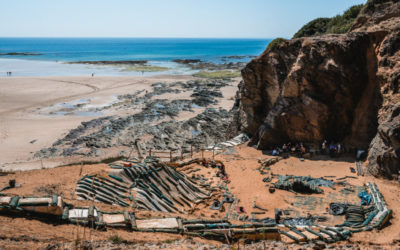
[[342, 88]]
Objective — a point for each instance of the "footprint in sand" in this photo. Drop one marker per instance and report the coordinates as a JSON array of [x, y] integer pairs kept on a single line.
[[3, 133]]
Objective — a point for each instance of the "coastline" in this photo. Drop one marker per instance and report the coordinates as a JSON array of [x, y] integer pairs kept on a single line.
[[33, 118], [81, 86], [124, 57], [40, 68]]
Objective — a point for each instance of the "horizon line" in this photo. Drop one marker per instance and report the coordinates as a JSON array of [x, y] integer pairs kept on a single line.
[[80, 37]]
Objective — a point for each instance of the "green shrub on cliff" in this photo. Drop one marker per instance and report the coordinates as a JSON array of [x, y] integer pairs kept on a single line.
[[314, 28], [335, 25], [342, 23], [371, 4], [276, 42]]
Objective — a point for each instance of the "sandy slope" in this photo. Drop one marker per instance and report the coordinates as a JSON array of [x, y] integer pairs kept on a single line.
[[246, 184]]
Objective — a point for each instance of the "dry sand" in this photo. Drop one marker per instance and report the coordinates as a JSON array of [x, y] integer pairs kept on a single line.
[[246, 184], [29, 120]]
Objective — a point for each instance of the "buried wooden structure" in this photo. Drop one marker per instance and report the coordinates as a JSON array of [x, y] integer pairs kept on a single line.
[[173, 156], [116, 191], [152, 185]]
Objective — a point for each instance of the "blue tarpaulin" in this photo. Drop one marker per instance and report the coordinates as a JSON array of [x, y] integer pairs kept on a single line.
[[365, 197]]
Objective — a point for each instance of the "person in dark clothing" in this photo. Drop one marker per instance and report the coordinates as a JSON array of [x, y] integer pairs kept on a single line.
[[332, 150], [221, 169], [302, 150]]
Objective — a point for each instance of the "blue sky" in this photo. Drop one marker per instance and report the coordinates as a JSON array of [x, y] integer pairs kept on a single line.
[[162, 18]]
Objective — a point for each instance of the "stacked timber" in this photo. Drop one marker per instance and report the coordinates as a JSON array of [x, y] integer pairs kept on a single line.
[[151, 185]]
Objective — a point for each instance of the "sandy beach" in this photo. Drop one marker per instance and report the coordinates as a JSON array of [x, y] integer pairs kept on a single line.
[[36, 111], [200, 125]]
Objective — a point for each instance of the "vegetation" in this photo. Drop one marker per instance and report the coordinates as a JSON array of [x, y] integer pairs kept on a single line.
[[116, 239], [145, 68], [316, 27], [371, 4], [276, 42], [217, 74], [335, 25]]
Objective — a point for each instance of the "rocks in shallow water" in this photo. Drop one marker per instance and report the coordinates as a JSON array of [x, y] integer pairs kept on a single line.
[[186, 61], [198, 64]]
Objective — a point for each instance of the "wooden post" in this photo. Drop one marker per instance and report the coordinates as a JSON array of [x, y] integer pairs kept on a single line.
[[130, 153], [213, 153], [80, 171], [150, 152], [202, 154], [181, 155], [191, 151], [170, 156], [41, 163], [138, 148]]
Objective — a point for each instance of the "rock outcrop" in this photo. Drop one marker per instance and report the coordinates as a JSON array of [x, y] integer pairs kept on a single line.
[[343, 88]]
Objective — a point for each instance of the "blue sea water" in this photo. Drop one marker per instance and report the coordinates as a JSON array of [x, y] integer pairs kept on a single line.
[[157, 51]]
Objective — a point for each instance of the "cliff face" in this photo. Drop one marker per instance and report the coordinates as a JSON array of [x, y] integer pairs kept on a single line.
[[384, 151], [342, 88]]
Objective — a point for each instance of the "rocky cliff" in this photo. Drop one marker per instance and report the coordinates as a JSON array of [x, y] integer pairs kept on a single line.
[[343, 88]]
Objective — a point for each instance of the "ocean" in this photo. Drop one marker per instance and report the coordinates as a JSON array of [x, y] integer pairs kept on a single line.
[[54, 52]]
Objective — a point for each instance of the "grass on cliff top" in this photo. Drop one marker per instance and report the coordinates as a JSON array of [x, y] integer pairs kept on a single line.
[[217, 74], [372, 4], [276, 42], [145, 68], [336, 25]]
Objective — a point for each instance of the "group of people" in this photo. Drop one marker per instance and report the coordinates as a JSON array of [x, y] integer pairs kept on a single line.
[[9, 73], [333, 148], [298, 149]]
